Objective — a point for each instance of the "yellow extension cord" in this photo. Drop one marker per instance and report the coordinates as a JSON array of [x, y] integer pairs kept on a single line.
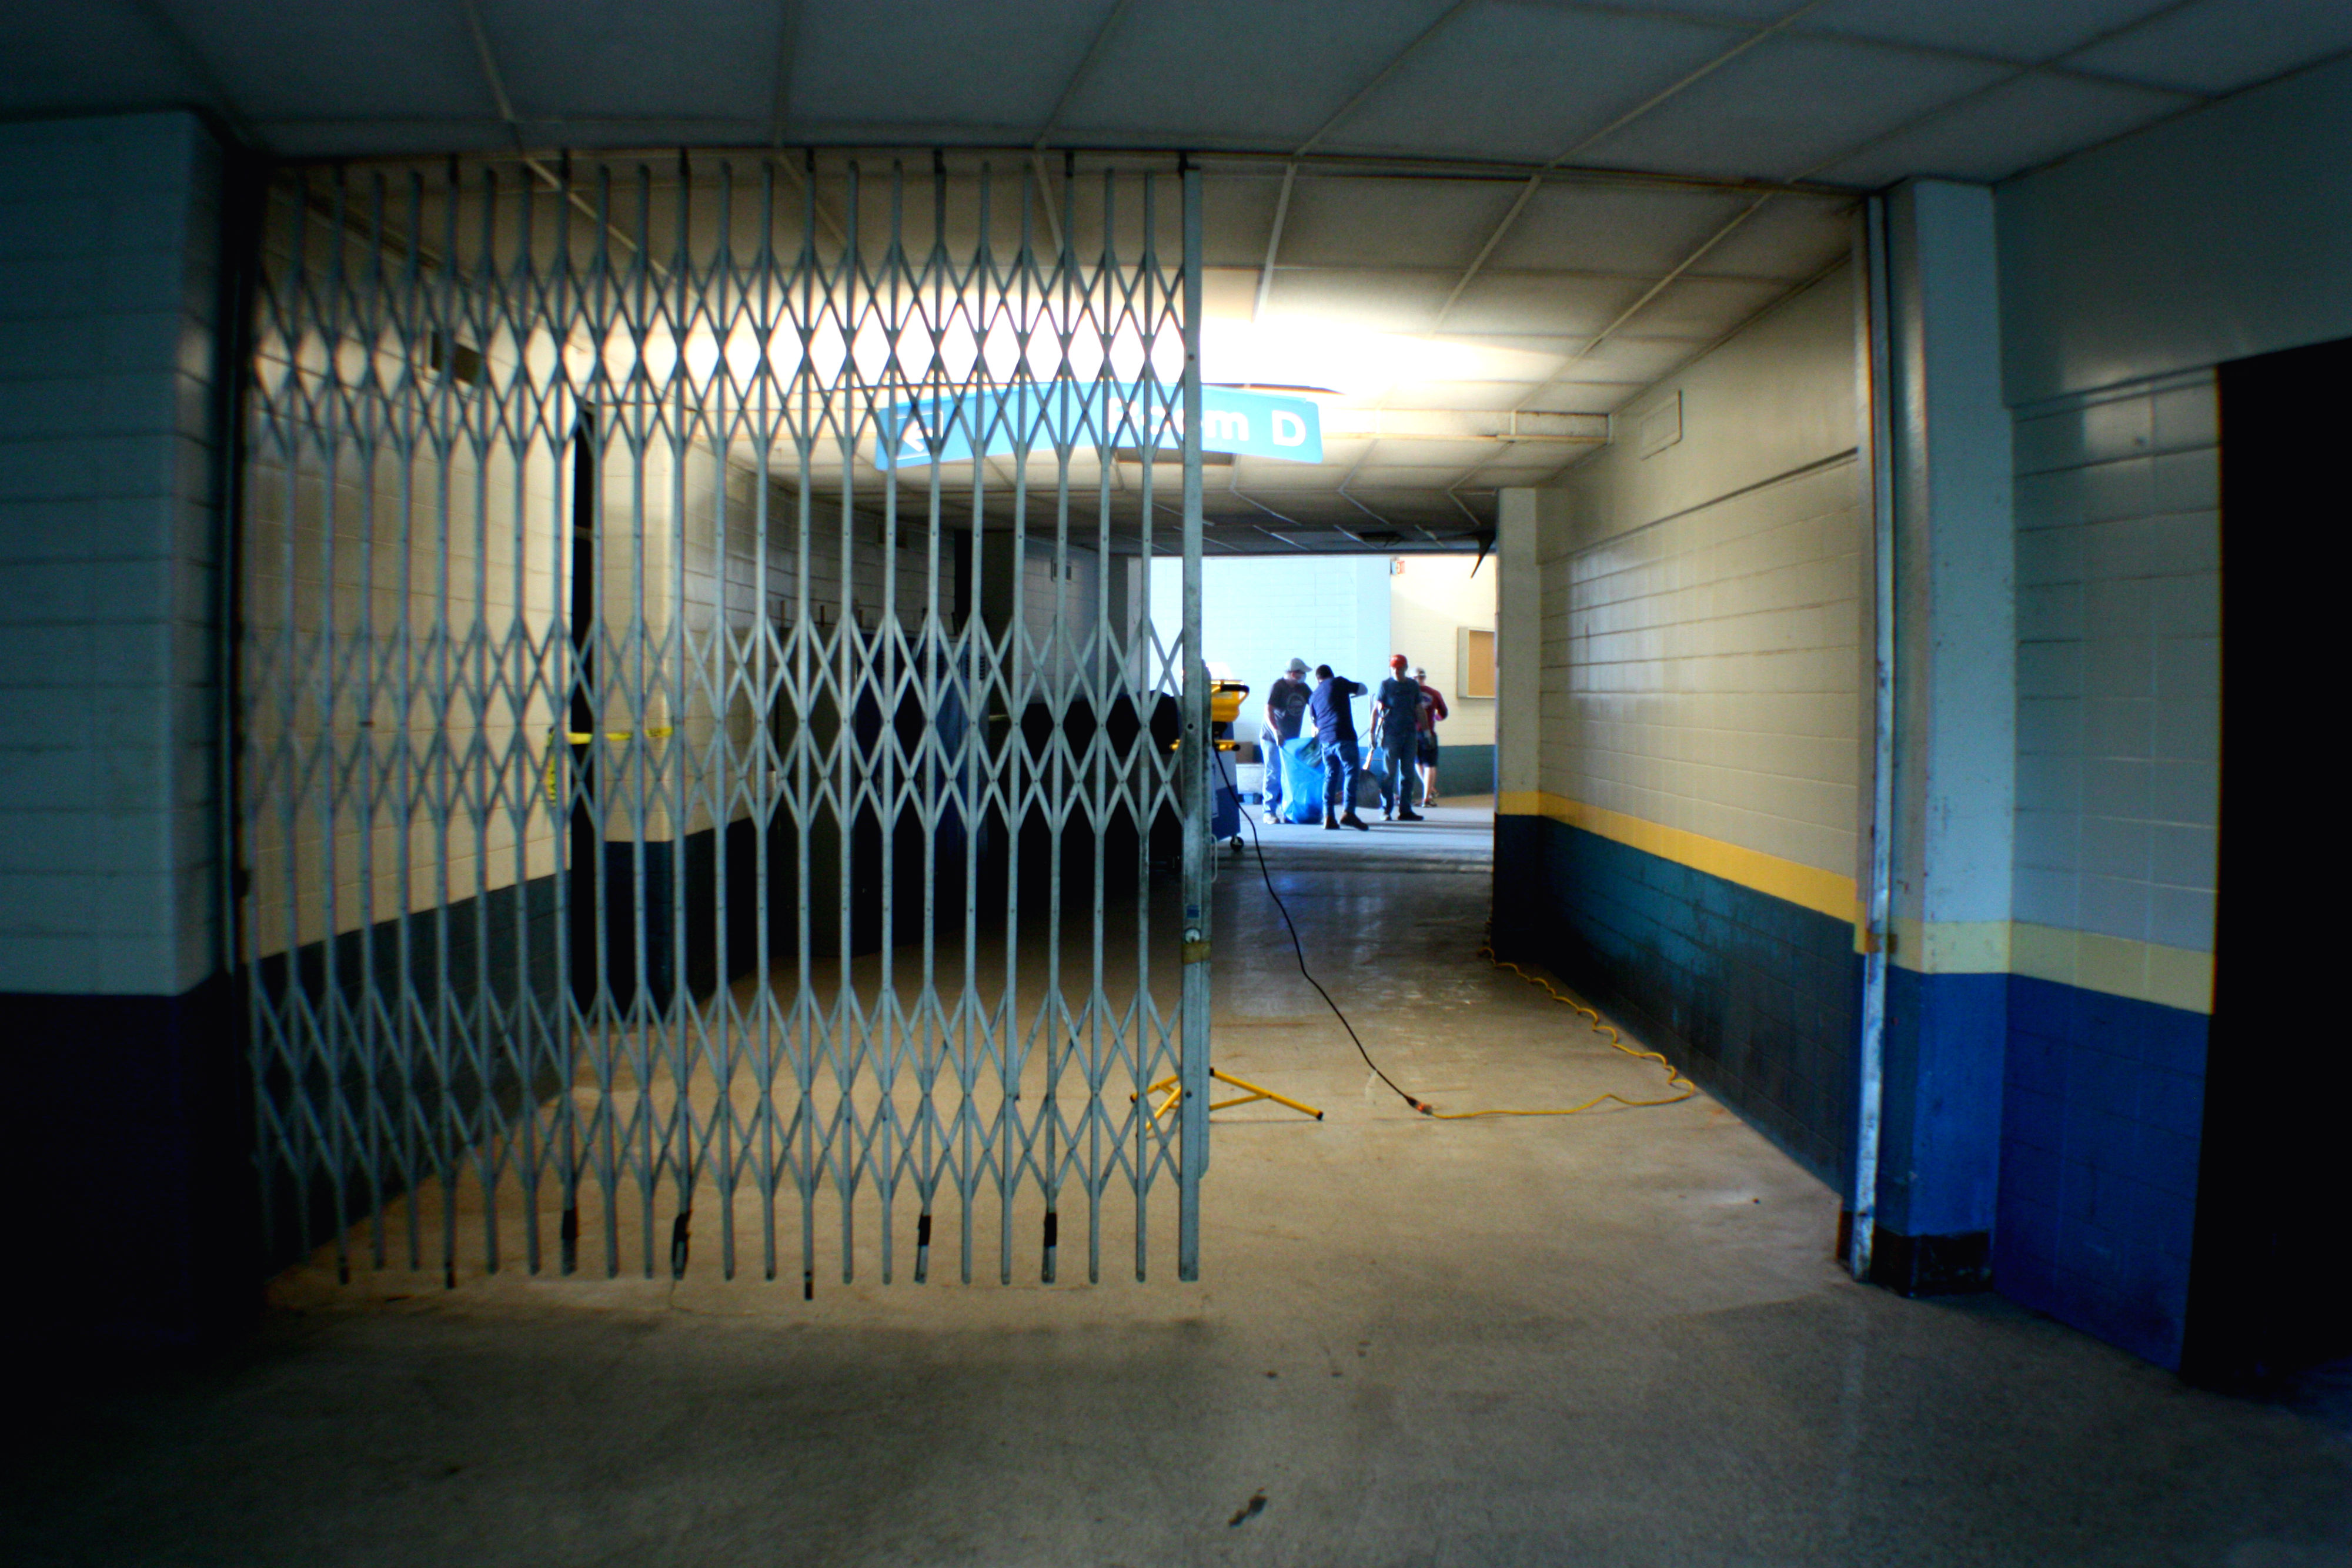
[[1673, 1078]]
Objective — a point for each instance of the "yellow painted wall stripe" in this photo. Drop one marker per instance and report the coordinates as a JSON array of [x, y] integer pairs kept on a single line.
[[1824, 891], [2173, 976], [2144, 971]]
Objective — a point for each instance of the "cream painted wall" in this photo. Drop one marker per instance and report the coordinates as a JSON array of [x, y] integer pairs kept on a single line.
[[1774, 398], [345, 582], [1431, 598], [1702, 606], [108, 860], [2127, 274]]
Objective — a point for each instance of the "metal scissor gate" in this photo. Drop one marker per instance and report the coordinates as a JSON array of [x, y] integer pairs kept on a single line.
[[710, 785]]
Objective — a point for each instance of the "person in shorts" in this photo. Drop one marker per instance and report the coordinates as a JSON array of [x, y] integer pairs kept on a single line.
[[1433, 708]]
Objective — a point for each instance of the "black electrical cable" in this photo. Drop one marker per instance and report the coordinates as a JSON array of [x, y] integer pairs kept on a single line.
[[1259, 844]]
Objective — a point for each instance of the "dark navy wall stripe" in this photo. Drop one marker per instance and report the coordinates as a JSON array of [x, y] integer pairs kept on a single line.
[[1757, 997], [1941, 1121], [2064, 1121]]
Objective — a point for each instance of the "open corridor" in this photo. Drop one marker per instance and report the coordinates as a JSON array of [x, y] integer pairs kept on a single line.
[[1615, 1338]]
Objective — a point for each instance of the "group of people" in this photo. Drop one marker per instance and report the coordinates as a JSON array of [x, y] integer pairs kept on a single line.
[[1405, 713]]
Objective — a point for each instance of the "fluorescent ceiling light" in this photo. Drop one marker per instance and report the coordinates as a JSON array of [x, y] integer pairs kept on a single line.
[[1348, 362]]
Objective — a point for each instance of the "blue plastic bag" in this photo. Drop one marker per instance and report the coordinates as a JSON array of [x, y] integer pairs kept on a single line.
[[1302, 779]]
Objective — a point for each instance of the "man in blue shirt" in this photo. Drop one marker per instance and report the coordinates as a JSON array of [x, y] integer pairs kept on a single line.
[[1332, 706], [1396, 733]]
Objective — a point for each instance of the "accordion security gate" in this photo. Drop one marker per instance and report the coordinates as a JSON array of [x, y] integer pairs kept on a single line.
[[708, 777]]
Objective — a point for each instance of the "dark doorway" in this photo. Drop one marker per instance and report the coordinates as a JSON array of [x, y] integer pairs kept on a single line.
[[584, 830], [2274, 1175]]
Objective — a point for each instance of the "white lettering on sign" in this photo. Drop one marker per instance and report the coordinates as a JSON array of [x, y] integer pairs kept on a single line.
[[989, 420], [1224, 425]]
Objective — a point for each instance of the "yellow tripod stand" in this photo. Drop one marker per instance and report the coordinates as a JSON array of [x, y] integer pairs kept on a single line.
[[1175, 1093]]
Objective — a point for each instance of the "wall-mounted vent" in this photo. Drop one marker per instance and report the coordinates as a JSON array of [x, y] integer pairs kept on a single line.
[[1658, 428]]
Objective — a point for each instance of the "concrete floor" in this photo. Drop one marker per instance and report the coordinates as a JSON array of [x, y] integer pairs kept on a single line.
[[1614, 1338]]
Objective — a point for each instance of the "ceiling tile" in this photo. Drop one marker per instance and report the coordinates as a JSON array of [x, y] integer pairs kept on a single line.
[[1692, 309], [1633, 356], [1515, 80], [1528, 465], [1370, 301], [1322, 506], [2221, 45], [1585, 396], [2012, 29], [1695, 307], [578, 60], [1789, 106], [2018, 125], [1382, 476], [1451, 456], [914, 62], [1571, 303], [1788, 238], [1236, 211], [1472, 397], [65, 58], [1732, 13], [1611, 228], [356, 62], [1390, 223], [1419, 507], [1281, 478], [1229, 72]]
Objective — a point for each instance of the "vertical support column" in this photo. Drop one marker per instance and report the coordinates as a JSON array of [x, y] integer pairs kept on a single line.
[[1955, 650], [1192, 759], [115, 444], [1519, 716]]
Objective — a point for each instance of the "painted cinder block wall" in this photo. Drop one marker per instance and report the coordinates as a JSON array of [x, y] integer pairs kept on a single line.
[[1682, 628], [2079, 973], [1431, 598], [124, 1091], [1947, 468], [2128, 274]]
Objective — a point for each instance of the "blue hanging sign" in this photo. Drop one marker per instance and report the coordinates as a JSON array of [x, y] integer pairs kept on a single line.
[[1000, 420]]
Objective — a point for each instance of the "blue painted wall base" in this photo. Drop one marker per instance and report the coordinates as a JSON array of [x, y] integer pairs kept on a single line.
[[2103, 1110], [2038, 1132], [1939, 1131]]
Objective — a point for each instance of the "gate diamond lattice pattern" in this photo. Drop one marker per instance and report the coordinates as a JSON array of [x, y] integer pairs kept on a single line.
[[684, 813]]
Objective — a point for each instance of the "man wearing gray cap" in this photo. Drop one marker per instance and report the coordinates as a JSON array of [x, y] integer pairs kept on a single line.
[[1286, 712]]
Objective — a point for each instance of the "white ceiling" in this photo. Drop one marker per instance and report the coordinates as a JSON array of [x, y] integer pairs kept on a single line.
[[1555, 202]]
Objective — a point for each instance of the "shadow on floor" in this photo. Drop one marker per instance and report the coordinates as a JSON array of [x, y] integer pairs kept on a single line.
[[1615, 1338]]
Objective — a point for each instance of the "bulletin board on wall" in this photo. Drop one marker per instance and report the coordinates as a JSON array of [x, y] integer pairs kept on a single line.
[[1474, 662]]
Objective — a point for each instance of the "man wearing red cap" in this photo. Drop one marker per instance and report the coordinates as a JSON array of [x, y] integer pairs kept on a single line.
[[1433, 708], [1396, 730]]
